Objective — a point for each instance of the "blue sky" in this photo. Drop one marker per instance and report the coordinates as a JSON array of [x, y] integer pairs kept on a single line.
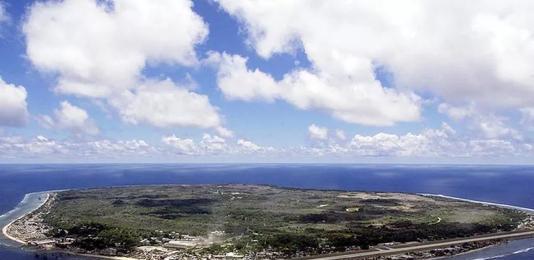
[[253, 81]]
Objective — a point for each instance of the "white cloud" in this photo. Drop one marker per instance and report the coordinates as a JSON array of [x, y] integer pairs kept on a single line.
[[3, 14], [224, 132], [493, 148], [435, 143], [72, 118], [428, 143], [13, 107], [495, 127], [181, 146], [439, 143], [481, 52], [208, 145], [41, 147], [527, 116], [364, 102], [340, 134], [484, 124], [248, 147], [163, 104], [19, 147], [317, 132], [213, 145], [99, 49], [236, 82], [110, 149], [457, 112]]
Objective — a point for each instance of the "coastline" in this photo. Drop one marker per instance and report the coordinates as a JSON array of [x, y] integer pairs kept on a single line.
[[6, 227], [465, 253], [21, 242], [49, 194], [506, 206], [20, 206]]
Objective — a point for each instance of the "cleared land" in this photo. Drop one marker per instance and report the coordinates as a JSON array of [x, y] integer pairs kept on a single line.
[[258, 221]]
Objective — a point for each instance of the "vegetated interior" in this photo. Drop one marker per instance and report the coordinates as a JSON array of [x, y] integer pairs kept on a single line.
[[253, 218]]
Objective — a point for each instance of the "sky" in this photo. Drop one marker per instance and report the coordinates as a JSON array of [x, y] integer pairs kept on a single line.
[[441, 81]]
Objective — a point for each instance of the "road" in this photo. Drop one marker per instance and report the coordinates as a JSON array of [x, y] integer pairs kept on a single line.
[[426, 246]]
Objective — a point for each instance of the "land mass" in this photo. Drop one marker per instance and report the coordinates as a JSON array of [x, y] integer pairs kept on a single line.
[[254, 221]]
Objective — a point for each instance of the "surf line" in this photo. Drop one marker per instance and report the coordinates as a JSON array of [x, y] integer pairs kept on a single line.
[[479, 202]]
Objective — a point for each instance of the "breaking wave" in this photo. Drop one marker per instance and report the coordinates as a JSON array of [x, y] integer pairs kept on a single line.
[[505, 255]]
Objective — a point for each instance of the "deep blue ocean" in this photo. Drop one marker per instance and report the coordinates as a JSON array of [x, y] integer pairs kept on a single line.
[[502, 184]]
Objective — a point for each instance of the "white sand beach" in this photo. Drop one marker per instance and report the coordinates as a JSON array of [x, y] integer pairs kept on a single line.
[[30, 203]]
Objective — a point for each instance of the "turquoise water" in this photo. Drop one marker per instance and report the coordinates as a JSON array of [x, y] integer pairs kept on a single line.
[[499, 184], [29, 203]]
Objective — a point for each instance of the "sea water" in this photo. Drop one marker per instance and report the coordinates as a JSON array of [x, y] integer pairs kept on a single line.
[[498, 184]]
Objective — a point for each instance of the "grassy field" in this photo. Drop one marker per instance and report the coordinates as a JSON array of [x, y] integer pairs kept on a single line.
[[256, 218]]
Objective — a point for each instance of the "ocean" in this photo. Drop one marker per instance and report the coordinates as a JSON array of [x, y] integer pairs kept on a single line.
[[499, 184]]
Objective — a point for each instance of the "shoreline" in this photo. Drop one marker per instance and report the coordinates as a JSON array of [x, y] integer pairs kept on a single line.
[[5, 228], [466, 252], [49, 194], [21, 242], [500, 205]]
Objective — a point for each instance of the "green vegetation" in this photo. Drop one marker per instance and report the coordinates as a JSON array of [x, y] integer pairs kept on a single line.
[[263, 218], [96, 236]]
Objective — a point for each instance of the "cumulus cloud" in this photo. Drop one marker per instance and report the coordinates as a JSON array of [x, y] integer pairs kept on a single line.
[[494, 148], [457, 112], [213, 145], [163, 104], [317, 132], [430, 142], [72, 118], [40, 147], [37, 146], [364, 102], [99, 49], [248, 145], [181, 145], [224, 132], [443, 142], [467, 56], [485, 124], [13, 106], [236, 82], [208, 145], [435, 143], [112, 148], [481, 52], [496, 127]]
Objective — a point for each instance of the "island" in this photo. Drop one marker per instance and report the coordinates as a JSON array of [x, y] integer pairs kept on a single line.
[[237, 221]]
